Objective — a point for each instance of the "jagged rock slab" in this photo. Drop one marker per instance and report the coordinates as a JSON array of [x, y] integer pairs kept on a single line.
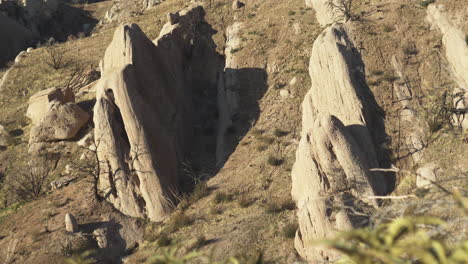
[[142, 115], [332, 170]]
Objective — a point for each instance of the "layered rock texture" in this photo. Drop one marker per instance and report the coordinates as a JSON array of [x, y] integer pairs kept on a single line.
[[456, 52], [331, 178], [143, 115]]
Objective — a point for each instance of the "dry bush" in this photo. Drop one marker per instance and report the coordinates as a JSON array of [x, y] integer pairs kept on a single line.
[[343, 7], [29, 183], [55, 57]]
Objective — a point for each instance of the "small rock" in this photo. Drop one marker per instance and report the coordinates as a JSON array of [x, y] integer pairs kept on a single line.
[[425, 175], [297, 28], [29, 50], [284, 93], [293, 81], [20, 56], [70, 223], [100, 235], [61, 182]]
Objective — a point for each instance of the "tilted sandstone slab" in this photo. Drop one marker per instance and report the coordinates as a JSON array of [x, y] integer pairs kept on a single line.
[[142, 116], [331, 178]]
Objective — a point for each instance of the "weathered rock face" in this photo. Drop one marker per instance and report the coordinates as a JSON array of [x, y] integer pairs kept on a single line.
[[62, 121], [228, 86], [456, 52], [324, 14], [15, 38], [142, 115], [332, 170], [40, 103]]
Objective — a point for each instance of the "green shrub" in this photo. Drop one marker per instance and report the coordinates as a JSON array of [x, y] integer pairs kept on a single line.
[[199, 191], [261, 147], [403, 240]]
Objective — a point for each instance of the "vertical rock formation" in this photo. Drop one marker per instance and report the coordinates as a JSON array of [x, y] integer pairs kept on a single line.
[[331, 177], [142, 115], [456, 52], [228, 97], [324, 14]]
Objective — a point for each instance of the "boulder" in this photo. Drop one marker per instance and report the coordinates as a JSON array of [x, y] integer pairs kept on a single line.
[[324, 14], [40, 103], [237, 4], [70, 223], [61, 122], [142, 114]]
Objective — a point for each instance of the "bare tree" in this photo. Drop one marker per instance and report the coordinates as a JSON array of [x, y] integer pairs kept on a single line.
[[30, 183], [343, 7], [55, 57]]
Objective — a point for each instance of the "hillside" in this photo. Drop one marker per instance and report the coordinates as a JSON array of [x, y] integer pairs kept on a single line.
[[232, 128]]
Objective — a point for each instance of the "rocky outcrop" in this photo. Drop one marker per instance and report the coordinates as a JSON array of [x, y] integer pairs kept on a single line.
[[456, 52], [323, 13], [40, 103], [228, 87], [15, 38], [331, 177], [142, 115]]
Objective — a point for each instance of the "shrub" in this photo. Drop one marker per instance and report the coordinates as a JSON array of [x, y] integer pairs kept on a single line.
[[377, 72], [30, 183], [289, 231], [274, 161], [266, 140], [273, 207], [222, 197], [179, 220], [288, 204], [280, 133], [199, 191], [216, 210], [426, 3], [403, 240], [164, 240], [389, 77], [342, 7], [55, 58], [410, 50], [244, 201], [388, 28], [261, 148]]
